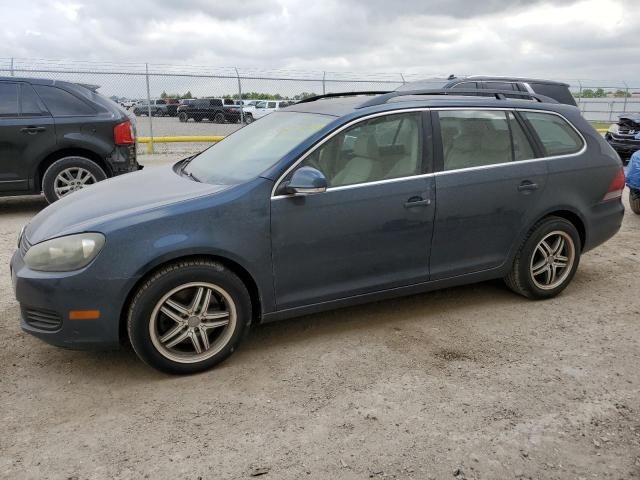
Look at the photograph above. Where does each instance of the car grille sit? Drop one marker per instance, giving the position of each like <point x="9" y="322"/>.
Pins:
<point x="42" y="319"/>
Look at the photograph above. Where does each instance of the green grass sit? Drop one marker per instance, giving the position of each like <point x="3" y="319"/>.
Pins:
<point x="600" y="124"/>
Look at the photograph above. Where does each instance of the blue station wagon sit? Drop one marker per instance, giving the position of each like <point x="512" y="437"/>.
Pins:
<point x="336" y="200"/>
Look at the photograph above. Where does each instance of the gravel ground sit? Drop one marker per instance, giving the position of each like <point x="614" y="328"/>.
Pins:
<point x="471" y="382"/>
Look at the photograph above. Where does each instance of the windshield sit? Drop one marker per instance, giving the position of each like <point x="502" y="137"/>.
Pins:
<point x="253" y="149"/>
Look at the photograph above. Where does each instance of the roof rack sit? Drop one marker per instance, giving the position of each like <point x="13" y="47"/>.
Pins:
<point x="498" y="94"/>
<point x="343" y="94"/>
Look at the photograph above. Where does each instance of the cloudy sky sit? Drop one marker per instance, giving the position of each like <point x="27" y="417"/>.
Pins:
<point x="592" y="39"/>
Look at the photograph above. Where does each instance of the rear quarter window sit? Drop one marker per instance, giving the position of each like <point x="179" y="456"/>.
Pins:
<point x="62" y="103"/>
<point x="555" y="134"/>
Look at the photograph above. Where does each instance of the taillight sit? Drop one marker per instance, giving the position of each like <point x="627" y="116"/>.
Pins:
<point x="616" y="187"/>
<point x="123" y="133"/>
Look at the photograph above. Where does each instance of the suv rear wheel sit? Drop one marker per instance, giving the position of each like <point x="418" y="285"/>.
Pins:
<point x="69" y="174"/>
<point x="634" y="201"/>
<point x="547" y="261"/>
<point x="218" y="118"/>
<point x="183" y="117"/>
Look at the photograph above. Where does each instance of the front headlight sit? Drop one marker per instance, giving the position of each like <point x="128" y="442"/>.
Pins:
<point x="64" y="254"/>
<point x="614" y="128"/>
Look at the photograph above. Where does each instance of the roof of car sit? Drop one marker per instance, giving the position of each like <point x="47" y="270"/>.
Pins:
<point x="340" y="106"/>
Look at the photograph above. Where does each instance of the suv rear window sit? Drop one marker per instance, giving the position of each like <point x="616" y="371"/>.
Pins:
<point x="62" y="103"/>
<point x="556" y="135"/>
<point x="560" y="93"/>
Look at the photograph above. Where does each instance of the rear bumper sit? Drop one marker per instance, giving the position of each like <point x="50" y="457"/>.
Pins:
<point x="124" y="160"/>
<point x="604" y="222"/>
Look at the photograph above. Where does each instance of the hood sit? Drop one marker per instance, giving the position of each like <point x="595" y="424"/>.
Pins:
<point x="118" y="197"/>
<point x="631" y="120"/>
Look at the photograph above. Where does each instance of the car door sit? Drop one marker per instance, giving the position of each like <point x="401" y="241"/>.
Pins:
<point x="489" y="184"/>
<point x="371" y="229"/>
<point x="27" y="135"/>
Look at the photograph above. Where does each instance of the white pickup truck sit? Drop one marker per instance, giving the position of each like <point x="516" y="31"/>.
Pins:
<point x="262" y="107"/>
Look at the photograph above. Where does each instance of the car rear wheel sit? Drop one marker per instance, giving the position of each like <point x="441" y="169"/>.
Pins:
<point x="183" y="117"/>
<point x="218" y="118"/>
<point x="69" y="174"/>
<point x="547" y="261"/>
<point x="634" y="201"/>
<point x="189" y="316"/>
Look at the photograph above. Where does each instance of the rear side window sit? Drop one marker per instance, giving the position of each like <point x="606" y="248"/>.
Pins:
<point x="466" y="86"/>
<point x="8" y="99"/>
<point x="501" y="86"/>
<point x="556" y="135"/>
<point x="62" y="103"/>
<point x="31" y="105"/>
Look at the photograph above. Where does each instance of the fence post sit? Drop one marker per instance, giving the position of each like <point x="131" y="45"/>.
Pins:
<point x="611" y="111"/>
<point x="12" y="66"/>
<point x="402" y="77"/>
<point x="150" y="144"/>
<point x="626" y="94"/>
<point x="324" y="90"/>
<point x="240" y="93"/>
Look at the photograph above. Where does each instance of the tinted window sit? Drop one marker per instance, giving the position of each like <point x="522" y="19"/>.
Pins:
<point x="556" y="135"/>
<point x="216" y="102"/>
<point x="161" y="102"/>
<point x="377" y="149"/>
<point x="31" y="104"/>
<point x="501" y="86"/>
<point x="8" y="99"/>
<point x="522" y="149"/>
<point x="271" y="105"/>
<point x="201" y="103"/>
<point x="60" y="102"/>
<point x="560" y="93"/>
<point x="466" y="85"/>
<point x="474" y="138"/>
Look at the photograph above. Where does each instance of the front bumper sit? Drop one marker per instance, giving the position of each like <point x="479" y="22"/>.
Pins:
<point x="45" y="301"/>
<point x="624" y="148"/>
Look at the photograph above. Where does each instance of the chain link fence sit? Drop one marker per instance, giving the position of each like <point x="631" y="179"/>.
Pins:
<point x="132" y="84"/>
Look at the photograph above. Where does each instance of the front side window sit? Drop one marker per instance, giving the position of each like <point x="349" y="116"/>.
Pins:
<point x="8" y="99"/>
<point x="378" y="149"/>
<point x="556" y="135"/>
<point x="476" y="138"/>
<point x="272" y="105"/>
<point x="253" y="149"/>
<point x="62" y="103"/>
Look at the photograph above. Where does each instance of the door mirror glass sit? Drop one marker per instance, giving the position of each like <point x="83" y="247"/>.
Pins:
<point x="306" y="180"/>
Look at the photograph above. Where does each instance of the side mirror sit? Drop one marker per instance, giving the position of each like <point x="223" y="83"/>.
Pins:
<point x="306" y="180"/>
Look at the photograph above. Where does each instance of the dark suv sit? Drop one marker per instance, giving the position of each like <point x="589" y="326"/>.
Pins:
<point x="624" y="135"/>
<point x="328" y="203"/>
<point x="58" y="137"/>
<point x="557" y="90"/>
<point x="214" y="109"/>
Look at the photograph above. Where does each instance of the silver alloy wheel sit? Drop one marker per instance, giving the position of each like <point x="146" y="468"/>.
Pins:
<point x="552" y="260"/>
<point x="72" y="179"/>
<point x="193" y="322"/>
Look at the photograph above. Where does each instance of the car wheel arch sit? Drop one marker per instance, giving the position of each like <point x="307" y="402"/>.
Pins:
<point x="68" y="152"/>
<point x="242" y="272"/>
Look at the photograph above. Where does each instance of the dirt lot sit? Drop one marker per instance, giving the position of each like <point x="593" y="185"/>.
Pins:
<point x="471" y="382"/>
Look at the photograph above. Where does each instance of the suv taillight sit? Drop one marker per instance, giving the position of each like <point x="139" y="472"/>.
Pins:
<point x="616" y="187"/>
<point x="123" y="133"/>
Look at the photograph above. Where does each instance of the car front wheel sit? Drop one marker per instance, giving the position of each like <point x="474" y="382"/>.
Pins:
<point x="547" y="261"/>
<point x="183" y="117"/>
<point x="189" y="316"/>
<point x="218" y="118"/>
<point x="69" y="174"/>
<point x="248" y="118"/>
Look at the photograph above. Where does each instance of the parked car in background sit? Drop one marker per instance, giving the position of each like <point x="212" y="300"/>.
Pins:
<point x="158" y="108"/>
<point x="172" y="106"/>
<point x="266" y="107"/>
<point x="128" y="104"/>
<point x="557" y="90"/>
<point x="624" y="135"/>
<point x="328" y="203"/>
<point x="58" y="137"/>
<point x="212" y="109"/>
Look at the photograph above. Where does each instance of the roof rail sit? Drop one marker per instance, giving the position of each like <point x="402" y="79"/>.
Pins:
<point x="343" y="94"/>
<point x="498" y="94"/>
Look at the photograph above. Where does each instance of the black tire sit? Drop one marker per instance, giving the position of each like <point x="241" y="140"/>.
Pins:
<point x="634" y="201"/>
<point x="149" y="298"/>
<point x="66" y="163"/>
<point x="137" y="113"/>
<point x="218" y="118"/>
<point x="248" y="118"/>
<point x="159" y="113"/>
<point x="521" y="279"/>
<point x="183" y="117"/>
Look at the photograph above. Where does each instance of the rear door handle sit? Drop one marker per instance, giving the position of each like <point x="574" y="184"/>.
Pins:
<point x="417" y="202"/>
<point x="32" y="130"/>
<point x="527" y="187"/>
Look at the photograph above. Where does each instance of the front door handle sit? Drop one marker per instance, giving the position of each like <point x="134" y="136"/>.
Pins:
<point x="32" y="130"/>
<point x="527" y="187"/>
<point x="417" y="202"/>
